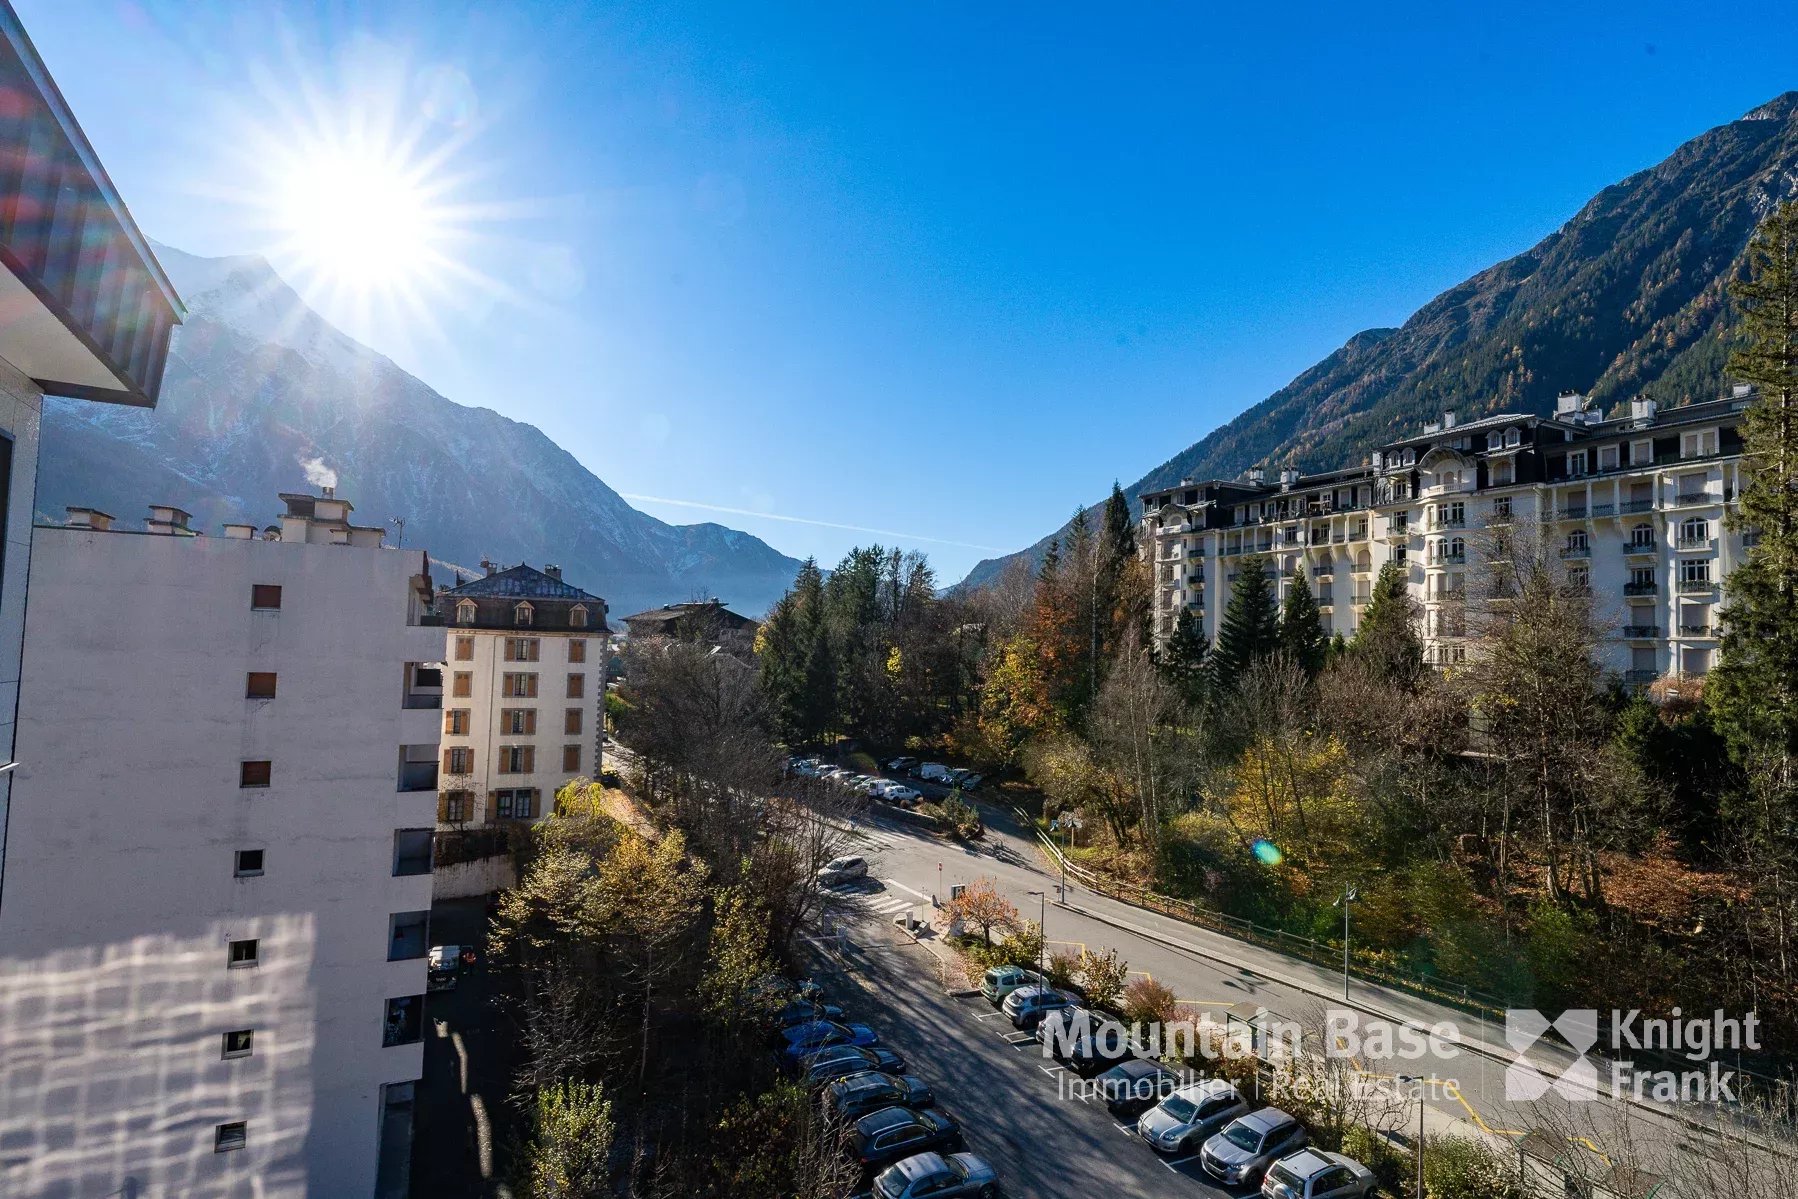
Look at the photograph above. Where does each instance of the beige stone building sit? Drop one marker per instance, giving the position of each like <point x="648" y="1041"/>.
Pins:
<point x="524" y="687"/>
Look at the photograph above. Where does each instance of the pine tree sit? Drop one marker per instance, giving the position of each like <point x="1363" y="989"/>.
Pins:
<point x="1388" y="639"/>
<point x="1754" y="690"/>
<point x="1302" y="629"/>
<point x="1184" y="660"/>
<point x="1250" y="630"/>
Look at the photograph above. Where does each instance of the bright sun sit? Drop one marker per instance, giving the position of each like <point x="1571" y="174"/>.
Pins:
<point x="363" y="220"/>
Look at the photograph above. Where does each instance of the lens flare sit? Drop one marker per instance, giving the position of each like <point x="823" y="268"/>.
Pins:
<point x="1267" y="853"/>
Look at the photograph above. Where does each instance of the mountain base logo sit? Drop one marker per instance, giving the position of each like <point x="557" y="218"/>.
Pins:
<point x="1541" y="1065"/>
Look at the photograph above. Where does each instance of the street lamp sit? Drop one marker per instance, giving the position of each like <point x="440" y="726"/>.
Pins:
<point x="1349" y="895"/>
<point x="1042" y="928"/>
<point x="1418" y="1079"/>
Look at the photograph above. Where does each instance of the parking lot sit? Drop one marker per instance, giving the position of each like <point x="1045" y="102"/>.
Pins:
<point x="1021" y="1112"/>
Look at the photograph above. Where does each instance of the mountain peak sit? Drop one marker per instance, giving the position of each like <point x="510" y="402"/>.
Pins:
<point x="1783" y="107"/>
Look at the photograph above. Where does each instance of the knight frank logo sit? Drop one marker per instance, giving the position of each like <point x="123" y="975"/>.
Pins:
<point x="1601" y="1065"/>
<point x="1525" y="1080"/>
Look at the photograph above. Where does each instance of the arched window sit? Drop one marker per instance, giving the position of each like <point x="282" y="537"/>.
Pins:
<point x="1457" y="549"/>
<point x="577" y="616"/>
<point x="1693" y="530"/>
<point x="1494" y="440"/>
<point x="1449" y="479"/>
<point x="1513" y="437"/>
<point x="523" y="612"/>
<point x="465" y="612"/>
<point x="1363" y="561"/>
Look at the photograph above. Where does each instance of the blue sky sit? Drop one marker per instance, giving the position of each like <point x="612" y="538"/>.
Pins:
<point x="941" y="270"/>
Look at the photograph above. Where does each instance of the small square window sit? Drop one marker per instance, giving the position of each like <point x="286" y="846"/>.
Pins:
<point x="244" y="953"/>
<point x="577" y="650"/>
<point x="577" y="686"/>
<point x="465" y="649"/>
<point x="227" y="1137"/>
<point x="408" y="934"/>
<point x="237" y="1043"/>
<point x="260" y="685"/>
<point x="412" y="851"/>
<point x="249" y="863"/>
<point x="404" y="1024"/>
<point x="265" y="596"/>
<point x="254" y="774"/>
<point x="571" y="759"/>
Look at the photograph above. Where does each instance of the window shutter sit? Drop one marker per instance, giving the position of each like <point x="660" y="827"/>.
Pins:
<point x="449" y="761"/>
<point x="530" y="721"/>
<point x="528" y="757"/>
<point x="492" y="806"/>
<point x="536" y="799"/>
<point x="442" y="808"/>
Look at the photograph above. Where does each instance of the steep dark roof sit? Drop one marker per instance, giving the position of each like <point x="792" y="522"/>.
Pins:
<point x="522" y="582"/>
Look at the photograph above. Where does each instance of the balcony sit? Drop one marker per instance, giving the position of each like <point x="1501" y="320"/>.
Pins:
<point x="1576" y="551"/>
<point x="1633" y="589"/>
<point x="1323" y="572"/>
<point x="1449" y="522"/>
<point x="418" y="767"/>
<point x="1628" y="507"/>
<point x="1697" y="543"/>
<point x="1640" y="632"/>
<point x="1689" y="586"/>
<point x="1687" y="499"/>
<point x="1697" y="630"/>
<point x="1640" y="547"/>
<point x="1397" y="528"/>
<point x="1640" y="677"/>
<point x="1578" y="513"/>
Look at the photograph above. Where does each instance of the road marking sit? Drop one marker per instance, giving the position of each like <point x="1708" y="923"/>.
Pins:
<point x="1179" y="1161"/>
<point x="1018" y="1040"/>
<point x="1125" y="1129"/>
<point x="1051" y="1069"/>
<point x="893" y="882"/>
<point x="989" y="1016"/>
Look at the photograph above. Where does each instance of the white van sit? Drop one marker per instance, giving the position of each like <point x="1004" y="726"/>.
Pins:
<point x="934" y="772"/>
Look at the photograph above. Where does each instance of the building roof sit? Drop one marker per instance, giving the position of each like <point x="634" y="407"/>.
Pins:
<point x="668" y="613"/>
<point x="522" y="582"/>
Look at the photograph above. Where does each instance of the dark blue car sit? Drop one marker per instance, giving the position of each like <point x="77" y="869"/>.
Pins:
<point x="804" y="1039"/>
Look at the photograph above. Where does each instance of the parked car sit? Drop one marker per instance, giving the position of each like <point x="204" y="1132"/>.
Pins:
<point x="1315" y="1174"/>
<point x="443" y="967"/>
<point x="1133" y="1087"/>
<point x="937" y="1176"/>
<point x="971" y="781"/>
<point x="893" y="1133"/>
<point x="804" y="1039"/>
<point x="840" y="1061"/>
<point x="803" y="1011"/>
<point x="1248" y="1145"/>
<point x="899" y="793"/>
<point x="1191" y="1114"/>
<point x="1000" y="981"/>
<point x="932" y="772"/>
<point x="1026" y="1006"/>
<point x="902" y="763"/>
<point x="855" y="1095"/>
<point x="842" y="870"/>
<point x="1090" y="1043"/>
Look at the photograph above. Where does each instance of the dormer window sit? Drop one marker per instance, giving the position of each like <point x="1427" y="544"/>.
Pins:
<point x="465" y="612"/>
<point x="522" y="613"/>
<point x="577" y="617"/>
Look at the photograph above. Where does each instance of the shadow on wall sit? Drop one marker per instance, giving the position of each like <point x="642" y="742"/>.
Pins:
<point x="114" y="1078"/>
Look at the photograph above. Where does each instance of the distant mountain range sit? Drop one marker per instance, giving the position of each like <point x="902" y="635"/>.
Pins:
<point x="1629" y="297"/>
<point x="262" y="393"/>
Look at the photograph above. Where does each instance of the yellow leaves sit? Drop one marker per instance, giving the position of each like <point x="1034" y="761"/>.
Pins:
<point x="1296" y="793"/>
<point x="895" y="663"/>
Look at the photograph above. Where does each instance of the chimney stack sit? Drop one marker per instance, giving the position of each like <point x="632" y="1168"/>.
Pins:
<point x="89" y="518"/>
<point x="1256" y="475"/>
<point x="553" y="571"/>
<point x="1448" y="419"/>
<point x="488" y="566"/>
<point x="327" y="492"/>
<point x="238" y="532"/>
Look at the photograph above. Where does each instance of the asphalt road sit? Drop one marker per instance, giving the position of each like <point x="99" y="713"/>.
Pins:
<point x="1018" y="1110"/>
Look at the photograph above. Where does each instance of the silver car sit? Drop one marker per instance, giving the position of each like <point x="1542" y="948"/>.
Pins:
<point x="1182" y="1121"/>
<point x="1315" y="1174"/>
<point x="938" y="1177"/>
<point x="1248" y="1145"/>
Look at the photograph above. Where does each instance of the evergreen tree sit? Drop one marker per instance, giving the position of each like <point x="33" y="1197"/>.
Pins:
<point x="1302" y="629"/>
<point x="1123" y="590"/>
<point x="1184" y="660"/>
<point x="1250" y="629"/>
<point x="1388" y="639"/>
<point x="1754" y="690"/>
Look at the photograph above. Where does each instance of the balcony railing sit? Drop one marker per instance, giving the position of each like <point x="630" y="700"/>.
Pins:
<point x="1630" y="506"/>
<point x="1397" y="528"/>
<point x="1641" y="676"/>
<point x="1323" y="572"/>
<point x="1449" y="522"/>
<point x="1640" y="632"/>
<point x="1576" y="551"/>
<point x="1640" y="547"/>
<point x="1573" y="513"/>
<point x="1696" y="543"/>
<point x="418" y="776"/>
<point x="1450" y="557"/>
<point x="1690" y="585"/>
<point x="1324" y="599"/>
<point x="1641" y="589"/>
<point x="1697" y="630"/>
<point x="1687" y="498"/>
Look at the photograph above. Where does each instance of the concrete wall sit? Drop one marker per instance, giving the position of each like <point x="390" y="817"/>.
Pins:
<point x="121" y="896"/>
<point x="483" y="876"/>
<point x="21" y="410"/>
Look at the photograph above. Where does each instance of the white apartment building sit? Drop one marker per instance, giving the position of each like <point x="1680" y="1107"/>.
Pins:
<point x="1634" y="506"/>
<point x="212" y="947"/>
<point x="526" y="655"/>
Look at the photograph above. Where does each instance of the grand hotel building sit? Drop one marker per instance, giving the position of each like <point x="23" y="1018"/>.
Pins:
<point x="1633" y="505"/>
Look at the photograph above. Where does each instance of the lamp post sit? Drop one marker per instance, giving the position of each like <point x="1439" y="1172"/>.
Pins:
<point x="1418" y="1152"/>
<point x="1349" y="895"/>
<point x="1042" y="929"/>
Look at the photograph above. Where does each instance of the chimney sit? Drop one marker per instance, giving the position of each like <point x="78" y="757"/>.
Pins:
<point x="328" y="492"/>
<point x="89" y="518"/>
<point x="237" y="532"/>
<point x="1448" y="419"/>
<point x="553" y="571"/>
<point x="1256" y="475"/>
<point x="1569" y="404"/>
<point x="1641" y="410"/>
<point x="167" y="520"/>
<point x="1741" y="391"/>
<point x="1430" y="427"/>
<point x="1288" y="476"/>
<point x="488" y="566"/>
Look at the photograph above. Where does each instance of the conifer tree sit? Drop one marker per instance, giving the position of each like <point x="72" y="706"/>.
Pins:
<point x="1250" y="629"/>
<point x="1754" y="690"/>
<point x="1388" y="639"/>
<point x="1184" y="660"/>
<point x="1301" y="628"/>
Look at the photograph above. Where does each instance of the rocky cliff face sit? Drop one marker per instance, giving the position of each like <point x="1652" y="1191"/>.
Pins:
<point x="258" y="386"/>
<point x="1629" y="297"/>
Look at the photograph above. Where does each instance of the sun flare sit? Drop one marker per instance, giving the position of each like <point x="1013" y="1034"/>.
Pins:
<point x="359" y="218"/>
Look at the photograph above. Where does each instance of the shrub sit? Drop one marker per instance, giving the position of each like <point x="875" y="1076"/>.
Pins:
<point x="1024" y="947"/>
<point x="1458" y="1168"/>
<point x="1102" y="977"/>
<point x="570" y="1141"/>
<point x="1064" y="968"/>
<point x="1149" y="1002"/>
<point x="1391" y="1168"/>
